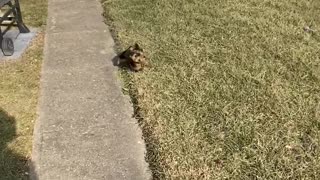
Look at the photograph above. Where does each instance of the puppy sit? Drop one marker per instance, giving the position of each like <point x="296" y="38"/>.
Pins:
<point x="135" y="57"/>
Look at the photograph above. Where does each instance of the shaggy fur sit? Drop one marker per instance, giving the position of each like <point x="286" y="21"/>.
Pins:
<point x="135" y="57"/>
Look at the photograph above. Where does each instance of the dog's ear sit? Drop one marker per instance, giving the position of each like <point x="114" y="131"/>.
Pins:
<point x="126" y="52"/>
<point x="122" y="55"/>
<point x="137" y="47"/>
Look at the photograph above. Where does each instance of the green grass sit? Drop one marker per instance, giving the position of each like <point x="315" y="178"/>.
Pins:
<point x="19" y="89"/>
<point x="233" y="91"/>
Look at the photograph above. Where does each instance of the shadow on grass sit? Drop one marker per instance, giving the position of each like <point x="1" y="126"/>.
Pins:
<point x="152" y="155"/>
<point x="152" y="143"/>
<point x="12" y="165"/>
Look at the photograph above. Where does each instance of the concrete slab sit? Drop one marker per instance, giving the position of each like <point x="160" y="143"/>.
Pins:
<point x="84" y="13"/>
<point x="85" y="129"/>
<point x="21" y="42"/>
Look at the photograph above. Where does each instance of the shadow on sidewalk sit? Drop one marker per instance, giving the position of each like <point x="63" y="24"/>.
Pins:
<point x="12" y="165"/>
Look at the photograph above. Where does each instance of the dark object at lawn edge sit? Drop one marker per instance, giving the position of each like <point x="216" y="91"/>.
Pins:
<point x="134" y="57"/>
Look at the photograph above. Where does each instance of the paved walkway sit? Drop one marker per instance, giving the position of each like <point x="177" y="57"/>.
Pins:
<point x="85" y="130"/>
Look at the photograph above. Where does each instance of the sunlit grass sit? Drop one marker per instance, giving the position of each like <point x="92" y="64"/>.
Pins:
<point x="234" y="88"/>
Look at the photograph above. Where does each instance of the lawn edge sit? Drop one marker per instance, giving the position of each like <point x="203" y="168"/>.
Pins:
<point x="127" y="82"/>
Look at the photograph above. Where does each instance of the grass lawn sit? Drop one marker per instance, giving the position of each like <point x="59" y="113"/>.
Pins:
<point x="19" y="88"/>
<point x="233" y="91"/>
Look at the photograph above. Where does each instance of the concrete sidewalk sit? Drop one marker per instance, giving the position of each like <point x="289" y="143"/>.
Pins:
<point x="85" y="130"/>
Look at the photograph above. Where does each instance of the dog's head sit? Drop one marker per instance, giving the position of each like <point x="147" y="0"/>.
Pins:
<point x="136" y="54"/>
<point x="135" y="57"/>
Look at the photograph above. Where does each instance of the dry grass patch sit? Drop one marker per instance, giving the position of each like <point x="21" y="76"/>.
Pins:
<point x="19" y="90"/>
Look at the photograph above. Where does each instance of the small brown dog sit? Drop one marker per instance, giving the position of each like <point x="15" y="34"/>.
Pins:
<point x="135" y="57"/>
